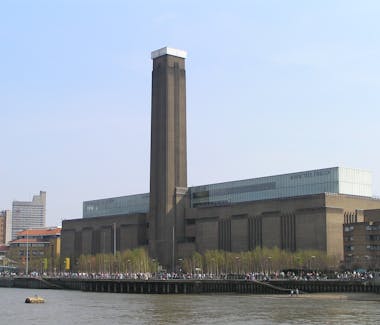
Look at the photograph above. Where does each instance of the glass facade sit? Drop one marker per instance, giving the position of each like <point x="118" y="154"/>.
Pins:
<point x="355" y="182"/>
<point x="329" y="180"/>
<point x="138" y="203"/>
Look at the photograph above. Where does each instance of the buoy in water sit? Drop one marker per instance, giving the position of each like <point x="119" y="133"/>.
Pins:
<point x="34" y="300"/>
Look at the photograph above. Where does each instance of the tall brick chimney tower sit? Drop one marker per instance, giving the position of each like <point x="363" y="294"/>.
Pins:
<point x="168" y="160"/>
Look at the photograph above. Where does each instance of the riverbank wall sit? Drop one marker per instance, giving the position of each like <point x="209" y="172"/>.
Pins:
<point x="191" y="286"/>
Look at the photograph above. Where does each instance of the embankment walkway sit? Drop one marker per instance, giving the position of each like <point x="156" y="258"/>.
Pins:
<point x="191" y="286"/>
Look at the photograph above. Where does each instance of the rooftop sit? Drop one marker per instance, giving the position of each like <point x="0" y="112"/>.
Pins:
<point x="27" y="241"/>
<point x="40" y="232"/>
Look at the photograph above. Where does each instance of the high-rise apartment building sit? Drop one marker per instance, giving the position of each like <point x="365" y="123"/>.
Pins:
<point x="26" y="214"/>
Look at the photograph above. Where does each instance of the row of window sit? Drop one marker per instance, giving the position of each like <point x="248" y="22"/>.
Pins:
<point x="34" y="253"/>
<point x="369" y="238"/>
<point x="372" y="227"/>
<point x="373" y="247"/>
<point x="30" y="244"/>
<point x="368" y="228"/>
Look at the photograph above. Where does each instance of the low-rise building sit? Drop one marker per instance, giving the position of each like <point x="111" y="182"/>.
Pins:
<point x="3" y="252"/>
<point x="40" y="247"/>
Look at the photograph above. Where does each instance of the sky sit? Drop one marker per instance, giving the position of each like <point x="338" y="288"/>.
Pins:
<point x="273" y="86"/>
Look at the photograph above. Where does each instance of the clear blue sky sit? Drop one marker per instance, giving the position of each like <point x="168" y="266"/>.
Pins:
<point x="272" y="87"/>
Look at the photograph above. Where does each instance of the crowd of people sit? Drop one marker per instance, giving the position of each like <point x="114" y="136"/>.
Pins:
<point x="253" y="276"/>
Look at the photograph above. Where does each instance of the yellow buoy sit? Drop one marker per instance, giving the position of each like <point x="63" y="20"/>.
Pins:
<point x="34" y="300"/>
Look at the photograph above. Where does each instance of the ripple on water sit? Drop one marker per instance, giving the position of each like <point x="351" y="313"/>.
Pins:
<point x="75" y="307"/>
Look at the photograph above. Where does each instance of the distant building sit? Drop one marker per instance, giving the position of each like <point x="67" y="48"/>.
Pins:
<point x="2" y="228"/>
<point x="42" y="247"/>
<point x="3" y="252"/>
<point x="362" y="240"/>
<point x="297" y="211"/>
<point x="26" y="214"/>
<point x="5" y="226"/>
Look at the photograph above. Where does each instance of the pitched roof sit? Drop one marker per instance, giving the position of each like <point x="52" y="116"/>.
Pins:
<point x="27" y="241"/>
<point x="4" y="248"/>
<point x="40" y="232"/>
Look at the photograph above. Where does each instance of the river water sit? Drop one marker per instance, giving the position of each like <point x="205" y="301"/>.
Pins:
<point x="76" y="307"/>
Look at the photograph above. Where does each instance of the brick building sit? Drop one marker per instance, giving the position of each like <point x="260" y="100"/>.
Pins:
<point x="41" y="247"/>
<point x="362" y="241"/>
<point x="303" y="210"/>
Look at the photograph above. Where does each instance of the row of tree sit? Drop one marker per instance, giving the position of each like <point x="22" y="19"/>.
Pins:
<point x="129" y="261"/>
<point x="38" y="260"/>
<point x="213" y="261"/>
<point x="259" y="260"/>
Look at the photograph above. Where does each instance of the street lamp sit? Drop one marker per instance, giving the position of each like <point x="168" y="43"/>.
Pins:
<point x="180" y="265"/>
<point x="27" y="253"/>
<point x="128" y="263"/>
<point x="238" y="264"/>
<point x="270" y="264"/>
<point x="349" y="261"/>
<point x="154" y="265"/>
<point x="312" y="264"/>
<point x="367" y="258"/>
<point x="298" y="266"/>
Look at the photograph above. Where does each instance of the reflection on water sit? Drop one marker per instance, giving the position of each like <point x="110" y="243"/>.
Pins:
<point x="75" y="307"/>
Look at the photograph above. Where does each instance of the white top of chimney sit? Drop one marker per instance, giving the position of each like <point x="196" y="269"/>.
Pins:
<point x="169" y="51"/>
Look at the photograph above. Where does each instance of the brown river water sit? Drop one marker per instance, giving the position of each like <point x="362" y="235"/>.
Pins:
<point x="76" y="307"/>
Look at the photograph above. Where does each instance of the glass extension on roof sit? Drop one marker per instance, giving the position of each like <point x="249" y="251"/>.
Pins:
<point x="328" y="180"/>
<point x="138" y="203"/>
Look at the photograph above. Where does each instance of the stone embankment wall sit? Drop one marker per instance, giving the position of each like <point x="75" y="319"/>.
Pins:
<point x="191" y="286"/>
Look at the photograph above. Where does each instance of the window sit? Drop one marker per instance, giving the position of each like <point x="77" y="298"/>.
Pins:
<point x="372" y="227"/>
<point x="373" y="247"/>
